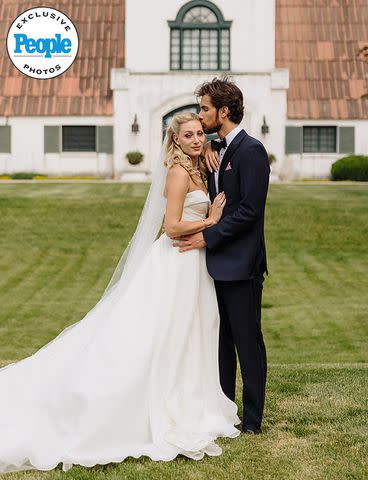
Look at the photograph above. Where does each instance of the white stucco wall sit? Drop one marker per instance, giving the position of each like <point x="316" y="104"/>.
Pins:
<point x="318" y="165"/>
<point x="152" y="96"/>
<point x="252" y="34"/>
<point x="27" y="148"/>
<point x="148" y="88"/>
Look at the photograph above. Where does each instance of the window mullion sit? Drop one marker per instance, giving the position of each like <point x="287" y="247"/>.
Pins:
<point x="181" y="49"/>
<point x="200" y="49"/>
<point x="218" y="48"/>
<point x="171" y="47"/>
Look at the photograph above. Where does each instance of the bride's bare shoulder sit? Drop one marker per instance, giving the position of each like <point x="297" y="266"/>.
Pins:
<point x="177" y="175"/>
<point x="177" y="179"/>
<point x="177" y="172"/>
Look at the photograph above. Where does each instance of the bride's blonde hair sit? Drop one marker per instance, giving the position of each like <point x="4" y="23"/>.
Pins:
<point x="175" y="155"/>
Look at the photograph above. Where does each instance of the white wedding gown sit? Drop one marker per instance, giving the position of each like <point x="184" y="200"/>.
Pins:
<point x="138" y="375"/>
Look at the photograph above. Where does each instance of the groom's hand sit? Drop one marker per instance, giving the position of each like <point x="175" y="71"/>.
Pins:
<point x="212" y="158"/>
<point x="189" y="242"/>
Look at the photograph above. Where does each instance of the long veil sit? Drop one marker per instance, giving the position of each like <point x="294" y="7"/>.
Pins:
<point x="148" y="227"/>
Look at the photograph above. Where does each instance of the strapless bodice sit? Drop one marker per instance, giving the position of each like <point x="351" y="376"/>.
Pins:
<point x="195" y="205"/>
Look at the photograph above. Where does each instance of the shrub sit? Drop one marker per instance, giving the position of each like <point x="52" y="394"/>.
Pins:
<point x="69" y="177"/>
<point x="134" y="157"/>
<point x="41" y="176"/>
<point x="352" y="167"/>
<point x="23" y="175"/>
<point x="271" y="158"/>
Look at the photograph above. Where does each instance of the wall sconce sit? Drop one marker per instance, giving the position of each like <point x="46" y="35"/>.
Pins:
<point x="135" y="125"/>
<point x="265" y="128"/>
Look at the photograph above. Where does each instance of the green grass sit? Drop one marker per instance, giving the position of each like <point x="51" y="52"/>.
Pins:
<point x="59" y="244"/>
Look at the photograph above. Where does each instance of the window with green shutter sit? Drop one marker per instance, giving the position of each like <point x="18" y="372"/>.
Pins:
<point x="105" y="139"/>
<point x="293" y="139"/>
<point x="5" y="139"/>
<point x="319" y="139"/>
<point x="79" y="138"/>
<point x="347" y="140"/>
<point x="199" y="38"/>
<point x="51" y="139"/>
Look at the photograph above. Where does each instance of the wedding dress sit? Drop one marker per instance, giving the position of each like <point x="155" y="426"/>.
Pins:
<point x="138" y="375"/>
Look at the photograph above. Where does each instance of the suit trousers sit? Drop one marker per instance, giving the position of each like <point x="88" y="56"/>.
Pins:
<point x="240" y="331"/>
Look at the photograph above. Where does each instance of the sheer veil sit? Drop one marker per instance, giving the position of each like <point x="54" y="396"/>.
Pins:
<point x="148" y="227"/>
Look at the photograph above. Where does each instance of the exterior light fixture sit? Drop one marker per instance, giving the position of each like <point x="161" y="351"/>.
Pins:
<point x="265" y="128"/>
<point x="135" y="125"/>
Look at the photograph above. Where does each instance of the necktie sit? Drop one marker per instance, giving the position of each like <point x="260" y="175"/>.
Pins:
<point x="218" y="145"/>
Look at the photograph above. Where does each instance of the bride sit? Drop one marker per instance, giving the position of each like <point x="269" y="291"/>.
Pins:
<point x="138" y="375"/>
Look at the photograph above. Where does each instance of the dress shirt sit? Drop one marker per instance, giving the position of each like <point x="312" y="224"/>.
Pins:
<point x="229" y="138"/>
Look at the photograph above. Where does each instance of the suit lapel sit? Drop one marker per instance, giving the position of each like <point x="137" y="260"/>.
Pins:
<point x="211" y="186"/>
<point x="228" y="154"/>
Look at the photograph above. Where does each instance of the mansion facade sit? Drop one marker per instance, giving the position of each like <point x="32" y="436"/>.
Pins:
<point x="302" y="70"/>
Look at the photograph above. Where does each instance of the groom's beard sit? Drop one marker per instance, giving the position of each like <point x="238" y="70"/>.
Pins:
<point x="214" y="129"/>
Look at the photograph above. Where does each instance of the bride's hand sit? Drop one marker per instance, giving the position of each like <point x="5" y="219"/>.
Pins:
<point x="217" y="207"/>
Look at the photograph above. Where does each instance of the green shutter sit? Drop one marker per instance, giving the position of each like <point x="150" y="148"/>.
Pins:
<point x="346" y="139"/>
<point x="51" y="139"/>
<point x="105" y="141"/>
<point x="293" y="140"/>
<point x="5" y="139"/>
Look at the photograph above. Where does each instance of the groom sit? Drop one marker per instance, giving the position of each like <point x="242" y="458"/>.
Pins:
<point x="235" y="247"/>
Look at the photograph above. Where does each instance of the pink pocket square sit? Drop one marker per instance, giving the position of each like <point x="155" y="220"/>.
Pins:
<point x="228" y="167"/>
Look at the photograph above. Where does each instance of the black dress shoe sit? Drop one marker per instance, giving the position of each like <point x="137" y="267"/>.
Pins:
<point x="252" y="431"/>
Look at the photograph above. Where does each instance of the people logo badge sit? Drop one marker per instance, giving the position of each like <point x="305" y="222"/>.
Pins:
<point x="42" y="42"/>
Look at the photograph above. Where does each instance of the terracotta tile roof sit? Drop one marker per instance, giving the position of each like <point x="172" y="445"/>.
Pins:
<point x="84" y="88"/>
<point x="324" y="43"/>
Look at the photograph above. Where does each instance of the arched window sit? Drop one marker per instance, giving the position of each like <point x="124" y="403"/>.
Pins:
<point x="200" y="38"/>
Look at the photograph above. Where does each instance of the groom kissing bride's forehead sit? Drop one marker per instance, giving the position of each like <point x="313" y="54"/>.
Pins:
<point x="219" y="99"/>
<point x="235" y="247"/>
<point x="74" y="401"/>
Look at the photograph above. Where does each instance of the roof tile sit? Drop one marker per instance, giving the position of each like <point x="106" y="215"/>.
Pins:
<point x="324" y="43"/>
<point x="100" y="25"/>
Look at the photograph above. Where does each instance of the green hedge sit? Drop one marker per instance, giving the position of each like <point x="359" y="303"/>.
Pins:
<point x="24" y="175"/>
<point x="40" y="176"/>
<point x="353" y="167"/>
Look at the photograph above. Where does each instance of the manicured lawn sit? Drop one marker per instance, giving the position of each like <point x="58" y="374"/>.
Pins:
<point x="59" y="244"/>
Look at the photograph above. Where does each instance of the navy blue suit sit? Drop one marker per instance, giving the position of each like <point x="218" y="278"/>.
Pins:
<point x="236" y="259"/>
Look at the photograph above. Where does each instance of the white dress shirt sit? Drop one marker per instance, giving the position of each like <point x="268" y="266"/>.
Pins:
<point x="229" y="138"/>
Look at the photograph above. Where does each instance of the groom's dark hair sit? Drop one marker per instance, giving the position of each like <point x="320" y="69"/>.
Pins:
<point x="224" y="93"/>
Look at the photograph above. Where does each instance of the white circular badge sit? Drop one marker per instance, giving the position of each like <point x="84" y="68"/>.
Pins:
<point x="42" y="42"/>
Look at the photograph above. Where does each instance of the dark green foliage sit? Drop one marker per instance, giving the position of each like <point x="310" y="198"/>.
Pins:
<point x="134" y="157"/>
<point x="25" y="175"/>
<point x="352" y="167"/>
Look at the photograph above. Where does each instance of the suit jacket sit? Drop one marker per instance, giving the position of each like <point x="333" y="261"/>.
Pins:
<point x="236" y="247"/>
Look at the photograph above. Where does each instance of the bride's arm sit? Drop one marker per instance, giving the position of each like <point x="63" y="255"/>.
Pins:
<point x="177" y="186"/>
